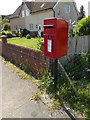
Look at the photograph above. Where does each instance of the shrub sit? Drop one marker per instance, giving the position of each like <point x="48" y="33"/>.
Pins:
<point x="5" y="20"/>
<point x="76" y="68"/>
<point x="83" y="27"/>
<point x="25" y="32"/>
<point x="17" y="34"/>
<point x="42" y="34"/>
<point x="13" y="35"/>
<point x="3" y="33"/>
<point x="33" y="35"/>
<point x="6" y="26"/>
<point x="36" y="33"/>
<point x="9" y="35"/>
<point x="28" y="36"/>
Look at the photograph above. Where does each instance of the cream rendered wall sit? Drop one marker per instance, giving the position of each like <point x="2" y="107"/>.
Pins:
<point x="18" y="21"/>
<point x="37" y="19"/>
<point x="67" y="16"/>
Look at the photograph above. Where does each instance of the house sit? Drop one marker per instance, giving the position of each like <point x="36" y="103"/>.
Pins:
<point x="31" y="15"/>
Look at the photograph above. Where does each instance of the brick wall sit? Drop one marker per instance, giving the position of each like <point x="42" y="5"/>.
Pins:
<point x="32" y="60"/>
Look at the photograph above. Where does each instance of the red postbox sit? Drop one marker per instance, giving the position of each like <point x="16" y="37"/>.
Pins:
<point x="55" y="38"/>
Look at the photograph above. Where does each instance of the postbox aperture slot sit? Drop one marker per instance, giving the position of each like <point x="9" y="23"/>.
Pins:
<point x="48" y="26"/>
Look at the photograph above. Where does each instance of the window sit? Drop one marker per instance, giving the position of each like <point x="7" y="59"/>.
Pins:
<point x="39" y="27"/>
<point x="67" y="8"/>
<point x="23" y="13"/>
<point x="27" y="12"/>
<point x="31" y="26"/>
<point x="15" y="27"/>
<point x="58" y="11"/>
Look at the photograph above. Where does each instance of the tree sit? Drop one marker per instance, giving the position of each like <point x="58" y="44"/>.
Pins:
<point x="83" y="27"/>
<point x="6" y="26"/>
<point x="81" y="13"/>
<point x="5" y="20"/>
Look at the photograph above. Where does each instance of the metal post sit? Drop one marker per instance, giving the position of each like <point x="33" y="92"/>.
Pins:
<point x="55" y="75"/>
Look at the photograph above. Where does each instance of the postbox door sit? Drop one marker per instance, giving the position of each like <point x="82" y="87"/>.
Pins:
<point x="49" y="46"/>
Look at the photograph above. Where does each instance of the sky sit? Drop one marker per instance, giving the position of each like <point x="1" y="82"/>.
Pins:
<point x="9" y="6"/>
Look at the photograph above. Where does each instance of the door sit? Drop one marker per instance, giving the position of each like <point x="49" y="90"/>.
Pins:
<point x="39" y="30"/>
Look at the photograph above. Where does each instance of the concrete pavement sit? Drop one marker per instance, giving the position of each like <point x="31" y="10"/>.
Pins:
<point x="16" y="94"/>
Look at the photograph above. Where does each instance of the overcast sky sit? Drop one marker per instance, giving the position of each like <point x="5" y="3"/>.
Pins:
<point x="9" y="6"/>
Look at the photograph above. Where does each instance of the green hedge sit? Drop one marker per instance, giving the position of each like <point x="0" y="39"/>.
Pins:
<point x="83" y="27"/>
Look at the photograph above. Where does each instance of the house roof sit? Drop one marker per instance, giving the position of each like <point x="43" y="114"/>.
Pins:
<point x="16" y="13"/>
<point x="40" y="6"/>
<point x="34" y="7"/>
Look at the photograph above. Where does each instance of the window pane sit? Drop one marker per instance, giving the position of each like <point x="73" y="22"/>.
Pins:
<point x="58" y="11"/>
<point x="67" y="8"/>
<point x="27" y="12"/>
<point x="31" y="26"/>
<point x="22" y="13"/>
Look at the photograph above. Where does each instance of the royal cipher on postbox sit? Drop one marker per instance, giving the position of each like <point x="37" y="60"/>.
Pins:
<point x="55" y="38"/>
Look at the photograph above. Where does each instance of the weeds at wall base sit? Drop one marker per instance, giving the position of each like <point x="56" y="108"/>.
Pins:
<point x="79" y="99"/>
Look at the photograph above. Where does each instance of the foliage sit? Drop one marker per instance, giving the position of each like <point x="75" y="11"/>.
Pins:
<point x="77" y="98"/>
<point x="25" y="32"/>
<point x="69" y="35"/>
<point x="13" y="35"/>
<point x="39" y="43"/>
<point x="5" y="20"/>
<point x="17" y="34"/>
<point x="42" y="34"/>
<point x="76" y="68"/>
<point x="83" y="27"/>
<point x="3" y="33"/>
<point x="9" y="34"/>
<point x="6" y="26"/>
<point x="37" y="96"/>
<point x="81" y="13"/>
<point x="33" y="34"/>
<point x="47" y="82"/>
<point x="28" y="36"/>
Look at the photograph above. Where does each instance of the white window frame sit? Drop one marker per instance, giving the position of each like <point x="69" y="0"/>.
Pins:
<point x="67" y="8"/>
<point x="22" y="13"/>
<point x="27" y="12"/>
<point x="58" y="11"/>
<point x="31" y="27"/>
